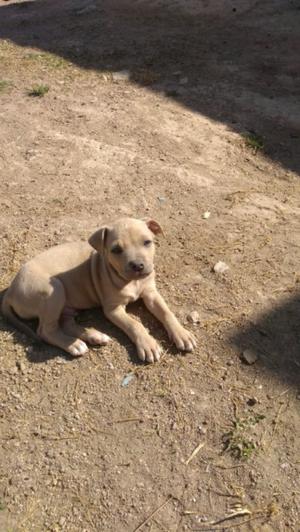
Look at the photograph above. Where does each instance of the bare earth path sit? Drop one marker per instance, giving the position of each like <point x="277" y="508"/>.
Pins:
<point x="166" y="138"/>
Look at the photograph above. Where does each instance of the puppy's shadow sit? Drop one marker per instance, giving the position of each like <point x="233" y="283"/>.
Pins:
<point x="156" y="329"/>
<point x="41" y="352"/>
<point x="95" y="318"/>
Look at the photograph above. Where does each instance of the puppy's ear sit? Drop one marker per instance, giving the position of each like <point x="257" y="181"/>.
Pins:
<point x="98" y="239"/>
<point x="154" y="227"/>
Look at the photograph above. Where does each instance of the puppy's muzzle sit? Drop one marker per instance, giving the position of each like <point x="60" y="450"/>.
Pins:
<point x="136" y="266"/>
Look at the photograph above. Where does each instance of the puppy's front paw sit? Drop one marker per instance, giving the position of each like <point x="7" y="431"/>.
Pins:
<point x="148" y="349"/>
<point x="182" y="338"/>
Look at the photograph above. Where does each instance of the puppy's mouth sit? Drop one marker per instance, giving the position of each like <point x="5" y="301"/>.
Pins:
<point x="137" y="275"/>
<point x="130" y="275"/>
<point x="140" y="275"/>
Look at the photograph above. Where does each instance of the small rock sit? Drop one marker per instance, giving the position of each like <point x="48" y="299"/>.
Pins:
<point x="285" y="466"/>
<point x="86" y="9"/>
<point x="193" y="317"/>
<point x="21" y="366"/>
<point x="206" y="215"/>
<point x="161" y="199"/>
<point x="220" y="267"/>
<point x="252" y="401"/>
<point x="121" y="75"/>
<point x="249" y="356"/>
<point x="127" y="379"/>
<point x="184" y="81"/>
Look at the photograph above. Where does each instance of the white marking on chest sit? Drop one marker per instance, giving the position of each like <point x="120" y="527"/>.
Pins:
<point x="131" y="292"/>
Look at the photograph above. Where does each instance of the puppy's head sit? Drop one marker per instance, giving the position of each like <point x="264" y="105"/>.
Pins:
<point x="128" y="245"/>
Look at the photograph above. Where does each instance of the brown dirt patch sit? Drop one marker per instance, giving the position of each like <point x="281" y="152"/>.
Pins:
<point x="79" y="452"/>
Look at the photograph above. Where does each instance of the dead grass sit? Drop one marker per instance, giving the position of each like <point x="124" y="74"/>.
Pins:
<point x="38" y="91"/>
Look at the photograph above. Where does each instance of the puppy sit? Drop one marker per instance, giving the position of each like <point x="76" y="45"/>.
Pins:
<point x="112" y="269"/>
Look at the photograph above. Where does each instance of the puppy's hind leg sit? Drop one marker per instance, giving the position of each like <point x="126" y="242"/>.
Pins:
<point x="88" y="334"/>
<point x="50" y="309"/>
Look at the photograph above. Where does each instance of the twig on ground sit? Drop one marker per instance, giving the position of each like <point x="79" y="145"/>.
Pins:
<point x="195" y="452"/>
<point x="126" y="420"/>
<point x="219" y="466"/>
<point x="227" y="527"/>
<point x="152" y="515"/>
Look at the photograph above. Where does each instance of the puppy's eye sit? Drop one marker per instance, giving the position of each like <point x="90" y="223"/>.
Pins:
<point x="147" y="243"/>
<point x="117" y="249"/>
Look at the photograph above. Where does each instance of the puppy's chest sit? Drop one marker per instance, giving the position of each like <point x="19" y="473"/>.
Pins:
<point x="130" y="293"/>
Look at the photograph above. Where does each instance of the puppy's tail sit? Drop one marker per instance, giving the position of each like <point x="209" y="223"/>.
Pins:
<point x="10" y="315"/>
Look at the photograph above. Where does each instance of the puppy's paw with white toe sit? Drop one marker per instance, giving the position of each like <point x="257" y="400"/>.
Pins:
<point x="78" y="348"/>
<point x="95" y="337"/>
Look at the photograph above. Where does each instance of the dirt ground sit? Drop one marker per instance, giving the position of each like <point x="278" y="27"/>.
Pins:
<point x="167" y="109"/>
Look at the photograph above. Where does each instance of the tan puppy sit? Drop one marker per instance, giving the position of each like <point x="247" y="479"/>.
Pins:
<point x="113" y="269"/>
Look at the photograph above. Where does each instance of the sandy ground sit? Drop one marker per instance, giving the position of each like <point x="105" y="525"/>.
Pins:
<point x="204" y="116"/>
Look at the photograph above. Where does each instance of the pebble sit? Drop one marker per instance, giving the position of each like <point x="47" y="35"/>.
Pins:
<point x="252" y="476"/>
<point x="86" y="9"/>
<point x="206" y="215"/>
<point x="193" y="317"/>
<point x="127" y="379"/>
<point x="285" y="466"/>
<point x="252" y="401"/>
<point x="221" y="267"/>
<point x="184" y="81"/>
<point x="121" y="75"/>
<point x="249" y="356"/>
<point x="60" y="361"/>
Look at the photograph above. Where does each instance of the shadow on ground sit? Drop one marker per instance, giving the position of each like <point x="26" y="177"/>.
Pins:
<point x="275" y="338"/>
<point x="239" y="64"/>
<point x="40" y="352"/>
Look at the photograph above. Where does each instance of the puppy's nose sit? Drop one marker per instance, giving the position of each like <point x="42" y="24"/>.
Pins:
<point x="136" y="266"/>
